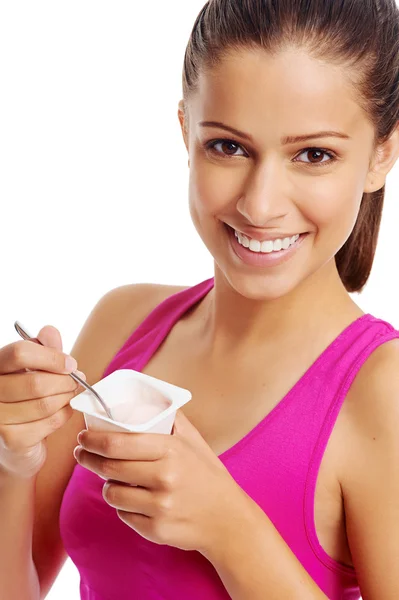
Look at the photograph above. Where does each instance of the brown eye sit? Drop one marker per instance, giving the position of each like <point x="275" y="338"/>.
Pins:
<point x="315" y="156"/>
<point x="228" y="148"/>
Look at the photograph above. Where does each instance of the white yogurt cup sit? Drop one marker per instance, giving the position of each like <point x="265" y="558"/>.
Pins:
<point x="141" y="402"/>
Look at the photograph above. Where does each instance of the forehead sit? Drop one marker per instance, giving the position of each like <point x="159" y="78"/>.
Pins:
<point x="264" y="94"/>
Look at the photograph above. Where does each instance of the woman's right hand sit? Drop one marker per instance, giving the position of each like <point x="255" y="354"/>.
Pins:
<point x="33" y="403"/>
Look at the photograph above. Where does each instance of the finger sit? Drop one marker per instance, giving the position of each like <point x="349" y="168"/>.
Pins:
<point x="29" y="355"/>
<point x="181" y="424"/>
<point x="144" y="474"/>
<point x="19" y="437"/>
<point x="35" y="384"/>
<point x="127" y="446"/>
<point x="130" y="499"/>
<point x="142" y="524"/>
<point x="14" y="413"/>
<point x="51" y="337"/>
<point x="184" y="429"/>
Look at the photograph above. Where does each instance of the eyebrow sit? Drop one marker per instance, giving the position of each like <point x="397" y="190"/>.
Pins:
<point x="289" y="139"/>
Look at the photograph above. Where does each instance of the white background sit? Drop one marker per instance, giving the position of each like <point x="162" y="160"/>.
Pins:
<point x="94" y="173"/>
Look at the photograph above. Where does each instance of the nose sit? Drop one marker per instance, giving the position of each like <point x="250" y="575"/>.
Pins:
<point x="265" y="196"/>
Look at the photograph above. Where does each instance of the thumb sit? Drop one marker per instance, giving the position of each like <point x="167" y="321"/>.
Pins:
<point x="51" y="337"/>
<point x="185" y="429"/>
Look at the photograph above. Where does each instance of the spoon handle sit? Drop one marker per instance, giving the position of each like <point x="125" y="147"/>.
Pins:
<point x="24" y="334"/>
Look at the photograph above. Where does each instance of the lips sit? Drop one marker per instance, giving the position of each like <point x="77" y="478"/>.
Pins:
<point x="263" y="237"/>
<point x="260" y="259"/>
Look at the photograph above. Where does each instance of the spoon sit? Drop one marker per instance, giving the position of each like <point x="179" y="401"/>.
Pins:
<point x="23" y="333"/>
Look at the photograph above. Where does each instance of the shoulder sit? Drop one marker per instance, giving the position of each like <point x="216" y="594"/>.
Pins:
<point x="373" y="402"/>
<point x="113" y="318"/>
<point x="128" y="305"/>
<point x="135" y="301"/>
<point x="370" y="476"/>
<point x="137" y="296"/>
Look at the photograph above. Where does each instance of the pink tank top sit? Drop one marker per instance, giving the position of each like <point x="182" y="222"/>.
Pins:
<point x="276" y="464"/>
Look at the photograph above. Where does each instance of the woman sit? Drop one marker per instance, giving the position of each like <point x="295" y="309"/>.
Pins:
<point x="281" y="477"/>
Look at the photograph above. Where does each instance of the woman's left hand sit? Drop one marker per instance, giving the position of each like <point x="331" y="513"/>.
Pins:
<point x="184" y="493"/>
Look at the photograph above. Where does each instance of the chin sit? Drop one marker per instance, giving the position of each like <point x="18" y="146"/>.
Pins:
<point x="257" y="287"/>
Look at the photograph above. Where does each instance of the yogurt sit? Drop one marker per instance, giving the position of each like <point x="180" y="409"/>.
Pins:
<point x="144" y="403"/>
<point x="138" y="403"/>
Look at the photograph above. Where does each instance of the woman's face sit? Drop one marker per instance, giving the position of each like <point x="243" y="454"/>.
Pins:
<point x="268" y="186"/>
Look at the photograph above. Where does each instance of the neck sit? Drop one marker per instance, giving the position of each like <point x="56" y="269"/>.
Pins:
<point x="234" y="323"/>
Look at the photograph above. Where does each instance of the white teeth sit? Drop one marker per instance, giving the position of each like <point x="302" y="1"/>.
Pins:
<point x="254" y="245"/>
<point x="265" y="247"/>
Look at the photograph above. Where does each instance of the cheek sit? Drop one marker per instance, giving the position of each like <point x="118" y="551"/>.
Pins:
<point x="210" y="196"/>
<point x="334" y="211"/>
<point x="213" y="188"/>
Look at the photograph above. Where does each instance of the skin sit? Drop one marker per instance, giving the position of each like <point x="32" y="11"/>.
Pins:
<point x="277" y="189"/>
<point x="252" y="311"/>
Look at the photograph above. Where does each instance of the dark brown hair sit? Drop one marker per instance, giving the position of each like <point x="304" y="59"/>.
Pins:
<point x="360" y="35"/>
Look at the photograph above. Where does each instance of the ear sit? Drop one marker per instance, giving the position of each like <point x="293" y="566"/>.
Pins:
<point x="183" y="124"/>
<point x="385" y="157"/>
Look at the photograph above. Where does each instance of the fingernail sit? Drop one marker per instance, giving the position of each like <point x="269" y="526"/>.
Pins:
<point x="81" y="375"/>
<point x="70" y="364"/>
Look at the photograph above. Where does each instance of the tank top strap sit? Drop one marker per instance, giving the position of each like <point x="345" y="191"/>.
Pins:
<point x="339" y="366"/>
<point x="146" y="338"/>
<point x="337" y="375"/>
<point x="312" y="406"/>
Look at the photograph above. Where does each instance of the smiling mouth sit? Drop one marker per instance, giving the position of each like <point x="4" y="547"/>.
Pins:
<point x="262" y="257"/>
<point x="243" y="236"/>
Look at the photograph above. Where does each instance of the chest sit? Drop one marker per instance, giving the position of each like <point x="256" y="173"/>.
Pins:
<point x="230" y="398"/>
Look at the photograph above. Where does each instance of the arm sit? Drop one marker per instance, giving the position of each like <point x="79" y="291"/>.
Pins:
<point x="104" y="332"/>
<point x="31" y="548"/>
<point x="370" y="480"/>
<point x="255" y="563"/>
<point x="18" y="575"/>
